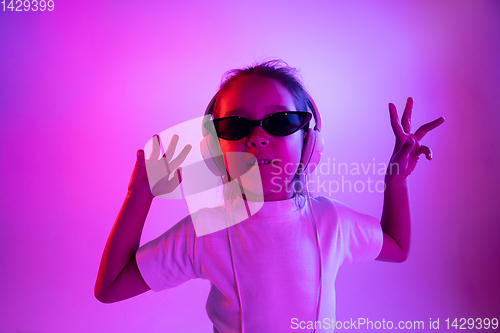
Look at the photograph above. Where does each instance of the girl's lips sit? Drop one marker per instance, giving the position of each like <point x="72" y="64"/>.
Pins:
<point x="263" y="161"/>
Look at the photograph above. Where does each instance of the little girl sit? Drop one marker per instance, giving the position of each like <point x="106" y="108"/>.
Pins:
<point x="274" y="271"/>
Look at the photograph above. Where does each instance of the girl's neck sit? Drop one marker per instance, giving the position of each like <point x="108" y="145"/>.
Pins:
<point x="249" y="196"/>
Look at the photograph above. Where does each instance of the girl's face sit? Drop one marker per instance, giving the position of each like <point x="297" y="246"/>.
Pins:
<point x="254" y="97"/>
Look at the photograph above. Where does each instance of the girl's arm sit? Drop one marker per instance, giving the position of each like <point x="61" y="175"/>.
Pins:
<point x="396" y="213"/>
<point x="119" y="277"/>
<point x="395" y="221"/>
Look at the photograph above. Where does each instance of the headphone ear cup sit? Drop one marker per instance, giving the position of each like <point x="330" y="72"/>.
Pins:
<point x="311" y="152"/>
<point x="212" y="155"/>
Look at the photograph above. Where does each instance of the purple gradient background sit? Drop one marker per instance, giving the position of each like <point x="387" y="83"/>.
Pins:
<point x="85" y="86"/>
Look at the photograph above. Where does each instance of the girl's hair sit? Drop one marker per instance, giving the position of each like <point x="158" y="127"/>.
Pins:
<point x="288" y="76"/>
<point x="274" y="69"/>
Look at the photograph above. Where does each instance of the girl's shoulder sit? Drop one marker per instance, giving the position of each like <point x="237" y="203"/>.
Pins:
<point x="207" y="221"/>
<point x="325" y="203"/>
<point x="334" y="209"/>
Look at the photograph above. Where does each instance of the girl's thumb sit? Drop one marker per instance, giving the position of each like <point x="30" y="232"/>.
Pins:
<point x="408" y="145"/>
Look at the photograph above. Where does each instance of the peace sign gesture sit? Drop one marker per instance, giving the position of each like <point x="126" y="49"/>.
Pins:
<point x="408" y="148"/>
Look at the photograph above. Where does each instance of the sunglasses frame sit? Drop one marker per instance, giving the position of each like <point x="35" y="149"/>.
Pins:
<point x="260" y="122"/>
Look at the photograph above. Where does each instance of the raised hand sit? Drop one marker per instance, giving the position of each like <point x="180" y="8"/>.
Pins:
<point x="151" y="175"/>
<point x="408" y="148"/>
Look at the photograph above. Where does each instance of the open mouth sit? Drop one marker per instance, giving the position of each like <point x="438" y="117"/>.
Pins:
<point x="261" y="161"/>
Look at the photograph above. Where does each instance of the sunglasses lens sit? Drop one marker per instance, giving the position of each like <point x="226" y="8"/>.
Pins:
<point x="278" y="124"/>
<point x="285" y="123"/>
<point x="232" y="128"/>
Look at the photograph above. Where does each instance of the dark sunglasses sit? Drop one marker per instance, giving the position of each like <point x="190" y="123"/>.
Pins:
<point x="277" y="124"/>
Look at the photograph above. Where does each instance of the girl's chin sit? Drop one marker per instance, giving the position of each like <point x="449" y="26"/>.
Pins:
<point x="265" y="186"/>
<point x="267" y="194"/>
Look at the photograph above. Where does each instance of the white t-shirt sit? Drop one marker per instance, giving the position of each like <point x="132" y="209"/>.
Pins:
<point x="275" y="261"/>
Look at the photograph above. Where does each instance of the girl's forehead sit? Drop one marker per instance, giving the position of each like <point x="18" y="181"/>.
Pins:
<point x="254" y="96"/>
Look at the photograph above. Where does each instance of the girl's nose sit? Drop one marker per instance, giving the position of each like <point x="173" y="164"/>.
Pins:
<point x="257" y="137"/>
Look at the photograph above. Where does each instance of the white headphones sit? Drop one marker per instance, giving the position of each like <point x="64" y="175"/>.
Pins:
<point x="311" y="151"/>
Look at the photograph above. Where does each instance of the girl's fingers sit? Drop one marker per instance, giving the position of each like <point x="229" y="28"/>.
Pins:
<point x="164" y="185"/>
<point x="185" y="151"/>
<point x="396" y="126"/>
<point x="425" y="150"/>
<point x="401" y="158"/>
<point x="407" y="146"/>
<point x="155" y="153"/>
<point x="406" y="118"/>
<point x="424" y="129"/>
<point x="179" y="172"/>
<point x="175" y="181"/>
<point x="179" y="159"/>
<point x="171" y="147"/>
<point x="140" y="155"/>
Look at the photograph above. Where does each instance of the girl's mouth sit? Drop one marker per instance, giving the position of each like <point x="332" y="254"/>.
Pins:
<point x="263" y="162"/>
